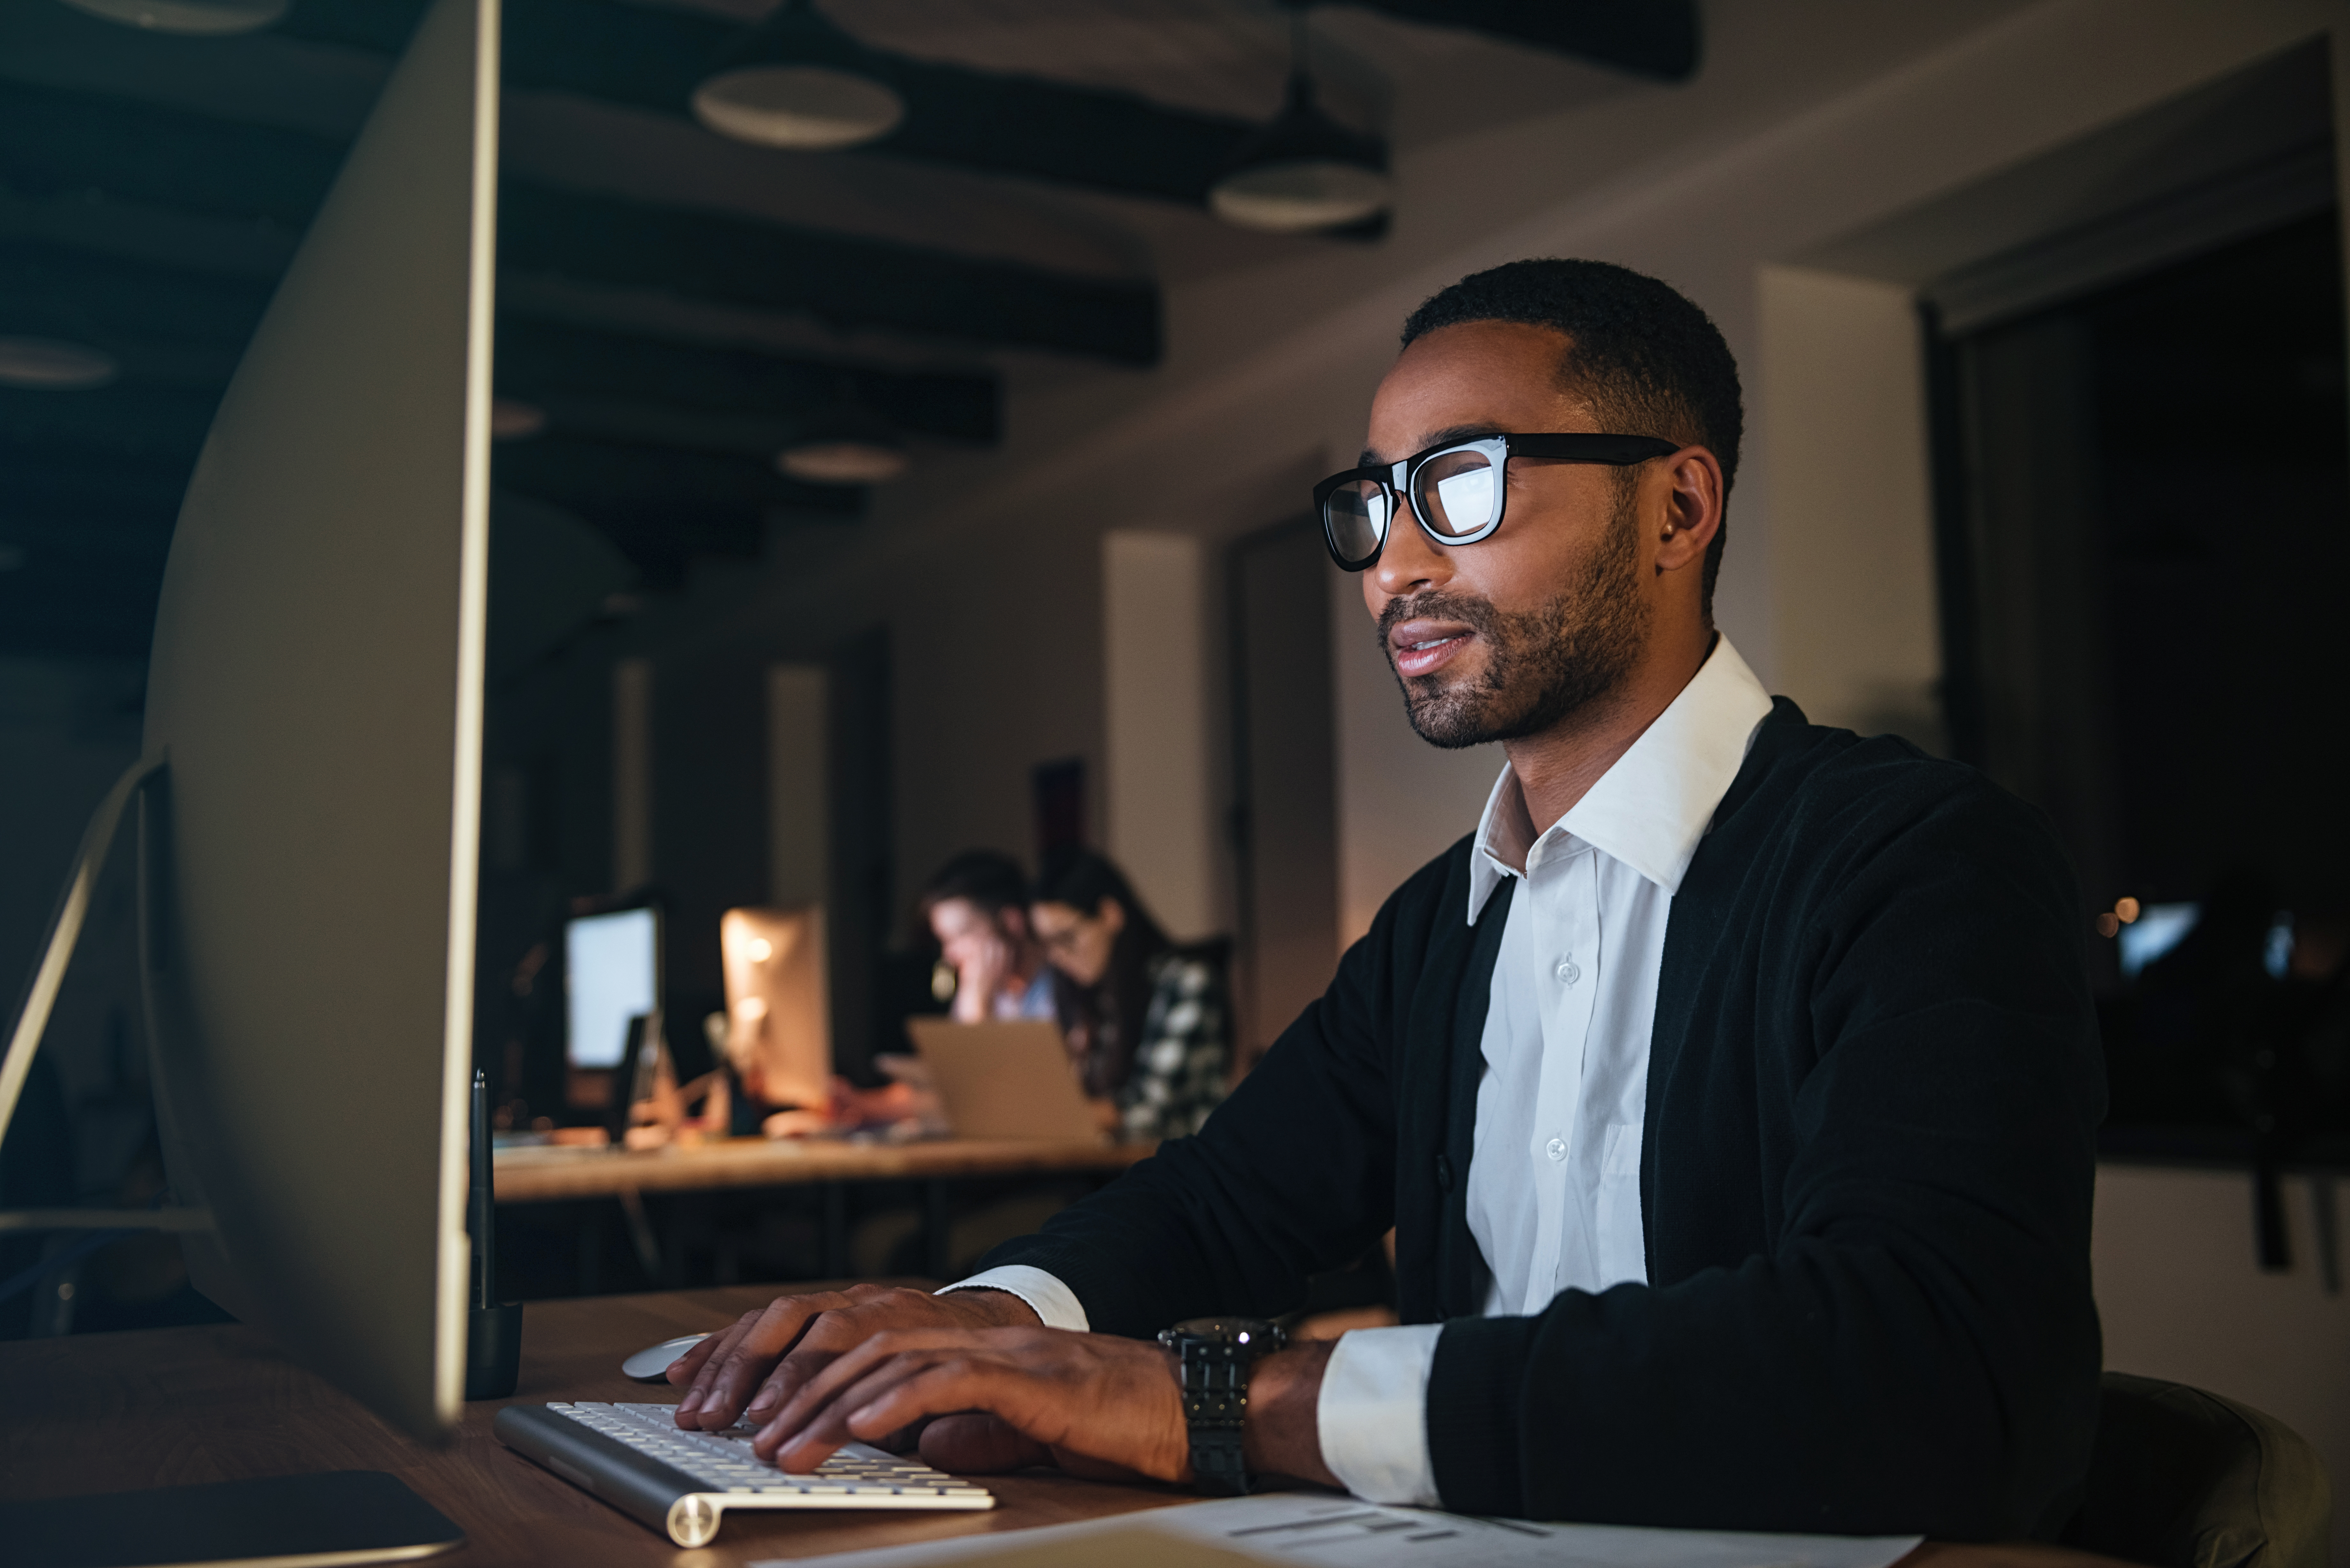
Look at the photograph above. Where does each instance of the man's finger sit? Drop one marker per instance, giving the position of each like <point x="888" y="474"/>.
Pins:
<point x="808" y="1403"/>
<point x="901" y="1390"/>
<point x="682" y="1369"/>
<point x="709" y="1350"/>
<point x="839" y="1331"/>
<point x="727" y="1378"/>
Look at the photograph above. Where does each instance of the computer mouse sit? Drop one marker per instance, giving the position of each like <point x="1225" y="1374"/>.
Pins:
<point x="649" y="1364"/>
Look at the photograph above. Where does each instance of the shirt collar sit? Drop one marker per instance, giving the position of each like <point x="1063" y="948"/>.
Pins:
<point x="1652" y="808"/>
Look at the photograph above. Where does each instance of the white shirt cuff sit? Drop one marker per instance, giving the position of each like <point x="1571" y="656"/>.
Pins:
<point x="1372" y="1414"/>
<point x="1048" y="1297"/>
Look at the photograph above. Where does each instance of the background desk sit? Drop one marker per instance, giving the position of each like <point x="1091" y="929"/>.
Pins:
<point x="553" y="1175"/>
<point x="172" y="1407"/>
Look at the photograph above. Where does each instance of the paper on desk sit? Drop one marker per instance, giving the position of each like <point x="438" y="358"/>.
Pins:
<point x="1313" y="1528"/>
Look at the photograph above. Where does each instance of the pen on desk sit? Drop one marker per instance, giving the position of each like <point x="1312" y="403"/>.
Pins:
<point x="481" y="1203"/>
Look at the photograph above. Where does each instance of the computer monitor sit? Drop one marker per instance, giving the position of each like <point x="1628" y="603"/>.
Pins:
<point x="778" y="1014"/>
<point x="309" y="818"/>
<point x="611" y="978"/>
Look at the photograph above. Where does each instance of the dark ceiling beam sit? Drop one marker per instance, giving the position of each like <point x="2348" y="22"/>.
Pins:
<point x="1648" y="38"/>
<point x="125" y="422"/>
<point x="539" y="358"/>
<point x="54" y="141"/>
<point x="584" y="473"/>
<point x="66" y="291"/>
<point x="652" y="57"/>
<point x="844" y="281"/>
<point x="662" y="507"/>
<point x="153" y="316"/>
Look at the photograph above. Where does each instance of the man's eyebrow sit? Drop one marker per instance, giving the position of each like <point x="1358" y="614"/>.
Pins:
<point x="1444" y="437"/>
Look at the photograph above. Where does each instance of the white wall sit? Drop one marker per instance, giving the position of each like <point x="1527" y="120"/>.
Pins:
<point x="1158" y="791"/>
<point x="2182" y="1298"/>
<point x="1842" y="398"/>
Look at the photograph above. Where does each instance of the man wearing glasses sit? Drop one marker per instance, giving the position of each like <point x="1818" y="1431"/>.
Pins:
<point x="1731" y="1089"/>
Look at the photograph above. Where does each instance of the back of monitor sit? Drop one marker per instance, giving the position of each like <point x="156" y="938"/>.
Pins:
<point x="308" y="858"/>
<point x="778" y="1014"/>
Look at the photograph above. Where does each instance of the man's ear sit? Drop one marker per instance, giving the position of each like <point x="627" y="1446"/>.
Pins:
<point x="1693" y="511"/>
<point x="1013" y="919"/>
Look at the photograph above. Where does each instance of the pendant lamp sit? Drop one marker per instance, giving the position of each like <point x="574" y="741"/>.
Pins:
<point x="53" y="365"/>
<point x="848" y="444"/>
<point x="1304" y="171"/>
<point x="798" y="81"/>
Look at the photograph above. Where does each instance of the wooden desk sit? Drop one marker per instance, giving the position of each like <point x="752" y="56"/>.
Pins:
<point x="544" y="1175"/>
<point x="172" y="1407"/>
<point x="547" y="1175"/>
<point x="116" y="1411"/>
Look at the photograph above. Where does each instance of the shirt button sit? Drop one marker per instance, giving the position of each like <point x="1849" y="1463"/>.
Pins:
<point x="1567" y="972"/>
<point x="1556" y="1148"/>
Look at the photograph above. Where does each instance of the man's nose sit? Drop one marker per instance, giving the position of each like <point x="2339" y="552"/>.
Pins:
<point x="1409" y="561"/>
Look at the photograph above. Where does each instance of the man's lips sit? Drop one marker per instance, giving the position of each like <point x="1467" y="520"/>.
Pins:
<point x="1422" y="647"/>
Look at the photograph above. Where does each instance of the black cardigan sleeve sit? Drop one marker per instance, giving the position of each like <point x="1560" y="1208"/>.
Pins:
<point x="1295" y="1173"/>
<point x="1909" y="1343"/>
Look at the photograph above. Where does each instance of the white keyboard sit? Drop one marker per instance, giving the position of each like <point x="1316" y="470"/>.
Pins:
<point x="681" y="1483"/>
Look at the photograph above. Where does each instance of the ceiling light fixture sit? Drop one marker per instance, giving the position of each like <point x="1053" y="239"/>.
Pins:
<point x="848" y="444"/>
<point x="798" y="81"/>
<point x="843" y="461"/>
<point x="51" y="364"/>
<point x="216" y="18"/>
<point x="1304" y="171"/>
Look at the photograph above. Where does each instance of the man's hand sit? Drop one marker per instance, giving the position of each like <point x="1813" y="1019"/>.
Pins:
<point x="1094" y="1403"/>
<point x="985" y="966"/>
<point x="768" y="1356"/>
<point x="1002" y="1399"/>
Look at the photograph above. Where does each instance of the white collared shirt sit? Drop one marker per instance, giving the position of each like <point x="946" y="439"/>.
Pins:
<point x="1554" y="1196"/>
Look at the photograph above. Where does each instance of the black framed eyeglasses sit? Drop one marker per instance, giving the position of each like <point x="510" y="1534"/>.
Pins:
<point x="1456" y="488"/>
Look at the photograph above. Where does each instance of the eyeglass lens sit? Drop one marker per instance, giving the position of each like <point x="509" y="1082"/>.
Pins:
<point x="1357" y="516"/>
<point x="1457" y="490"/>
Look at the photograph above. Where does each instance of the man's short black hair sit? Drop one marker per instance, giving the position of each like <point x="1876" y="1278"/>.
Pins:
<point x="1648" y="360"/>
<point x="990" y="881"/>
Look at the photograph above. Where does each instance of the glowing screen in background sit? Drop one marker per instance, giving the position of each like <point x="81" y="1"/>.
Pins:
<point x="608" y="967"/>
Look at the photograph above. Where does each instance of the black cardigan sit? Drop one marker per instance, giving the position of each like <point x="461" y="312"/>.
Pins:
<point x="1872" y="1090"/>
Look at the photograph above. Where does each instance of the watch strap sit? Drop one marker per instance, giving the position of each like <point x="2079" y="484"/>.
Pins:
<point x="1215" y="1406"/>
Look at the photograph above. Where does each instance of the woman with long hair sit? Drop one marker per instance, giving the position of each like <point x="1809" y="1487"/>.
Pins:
<point x="1146" y="1020"/>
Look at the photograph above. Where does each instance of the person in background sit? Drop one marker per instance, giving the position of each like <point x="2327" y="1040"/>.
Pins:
<point x="1146" y="1021"/>
<point x="977" y="906"/>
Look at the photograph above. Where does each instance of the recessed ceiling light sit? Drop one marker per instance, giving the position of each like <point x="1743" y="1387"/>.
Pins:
<point x="511" y="418"/>
<point x="52" y="365"/>
<point x="845" y="462"/>
<point x="216" y="17"/>
<point x="809" y="108"/>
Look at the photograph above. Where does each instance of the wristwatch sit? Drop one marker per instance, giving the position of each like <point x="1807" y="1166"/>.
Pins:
<point x="1216" y="1353"/>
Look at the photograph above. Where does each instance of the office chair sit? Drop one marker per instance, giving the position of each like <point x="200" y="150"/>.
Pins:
<point x="2183" y="1479"/>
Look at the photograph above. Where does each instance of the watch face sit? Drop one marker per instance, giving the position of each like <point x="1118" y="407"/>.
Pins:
<point x="1249" y="1330"/>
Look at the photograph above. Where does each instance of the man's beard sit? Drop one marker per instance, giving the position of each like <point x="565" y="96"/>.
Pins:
<point x="1541" y="664"/>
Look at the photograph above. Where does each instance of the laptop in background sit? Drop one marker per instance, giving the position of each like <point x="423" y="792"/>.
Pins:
<point x="1006" y="1080"/>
